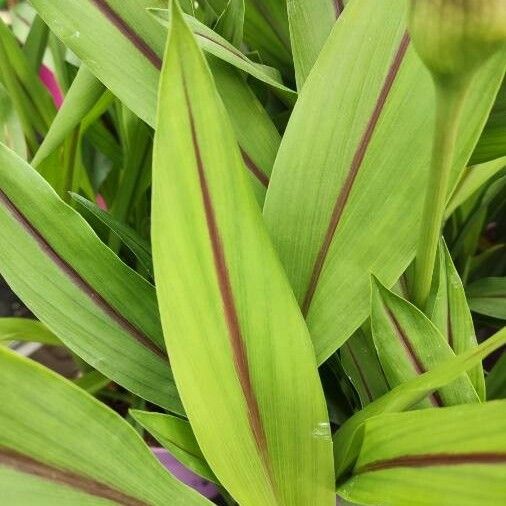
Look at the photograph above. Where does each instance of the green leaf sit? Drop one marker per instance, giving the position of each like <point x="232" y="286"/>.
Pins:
<point x="452" y="455"/>
<point x="487" y="296"/>
<point x="11" y="132"/>
<point x="213" y="43"/>
<point x="496" y="379"/>
<point x="106" y="34"/>
<point x="266" y="31"/>
<point x="84" y="93"/>
<point x="402" y="397"/>
<point x="92" y="382"/>
<point x="311" y="22"/>
<point x="408" y="344"/>
<point x="472" y="180"/>
<point x="24" y="329"/>
<point x="492" y="143"/>
<point x="98" y="307"/>
<point x="332" y="209"/>
<point x="136" y="244"/>
<point x="64" y="447"/>
<point x="256" y="405"/>
<point x="177" y="437"/>
<point x="230" y="24"/>
<point x="449" y="312"/>
<point x="361" y="363"/>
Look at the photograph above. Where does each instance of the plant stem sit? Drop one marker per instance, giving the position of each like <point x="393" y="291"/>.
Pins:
<point x="449" y="102"/>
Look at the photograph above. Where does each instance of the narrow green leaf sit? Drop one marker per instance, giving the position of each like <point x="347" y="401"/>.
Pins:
<point x="24" y="329"/>
<point x="449" y="312"/>
<point x="496" y="379"/>
<point x="36" y="42"/>
<point x="176" y="435"/>
<point x="487" y="296"/>
<point x="64" y="447"/>
<point x="114" y="326"/>
<point x="92" y="382"/>
<point x="408" y="344"/>
<point x="136" y="244"/>
<point x="347" y="439"/>
<point x="361" y="363"/>
<point x="28" y="78"/>
<point x="311" y="22"/>
<point x="474" y="178"/>
<point x="334" y="224"/>
<point x="261" y="422"/>
<point x="415" y="458"/>
<point x="84" y="93"/>
<point x="492" y="143"/>
<point x="266" y="31"/>
<point x="11" y="132"/>
<point x="230" y="24"/>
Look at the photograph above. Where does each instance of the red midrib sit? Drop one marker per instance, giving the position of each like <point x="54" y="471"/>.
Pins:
<point x="417" y="364"/>
<point x="83" y="285"/>
<point x="434" y="459"/>
<point x="344" y="194"/>
<point x="230" y="312"/>
<point x="28" y="465"/>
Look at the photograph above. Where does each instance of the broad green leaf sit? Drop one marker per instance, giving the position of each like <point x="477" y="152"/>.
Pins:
<point x="107" y="33"/>
<point x="452" y="455"/>
<point x="473" y="178"/>
<point x="64" y="447"/>
<point x="255" y="403"/>
<point x="84" y="93"/>
<point x="230" y="24"/>
<point x="408" y="344"/>
<point x="360" y="361"/>
<point x="176" y="435"/>
<point x="492" y="143"/>
<point x="449" y="312"/>
<point x="311" y="22"/>
<point x="136" y="244"/>
<point x="331" y="208"/>
<point x="347" y="439"/>
<point x="24" y="329"/>
<point x="11" y="132"/>
<point x="102" y="310"/>
<point x="487" y="296"/>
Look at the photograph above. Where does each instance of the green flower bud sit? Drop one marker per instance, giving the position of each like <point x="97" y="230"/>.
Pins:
<point x="454" y="37"/>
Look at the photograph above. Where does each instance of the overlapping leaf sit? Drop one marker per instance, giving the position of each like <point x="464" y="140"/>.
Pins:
<point x="176" y="435"/>
<point x="487" y="296"/>
<point x="408" y="344"/>
<point x="11" y="132"/>
<point x="311" y="22"/>
<point x="95" y="304"/>
<point x="25" y="329"/>
<point x="451" y="455"/>
<point x="449" y="311"/>
<point x="348" y="438"/>
<point x="360" y="361"/>
<point x="239" y="348"/>
<point x="353" y="160"/>
<point x="64" y="447"/>
<point x="107" y="33"/>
